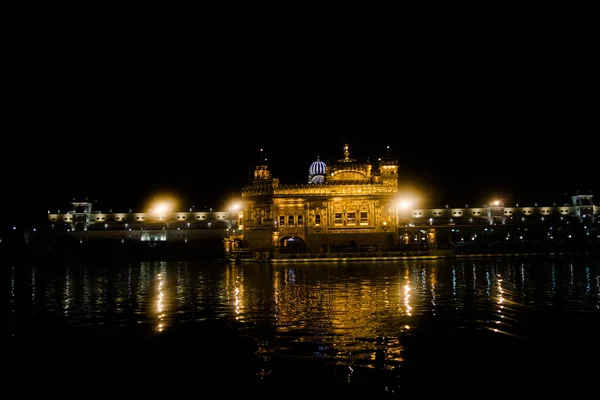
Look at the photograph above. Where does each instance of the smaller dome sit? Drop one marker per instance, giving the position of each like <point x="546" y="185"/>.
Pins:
<point x="317" y="179"/>
<point x="317" y="168"/>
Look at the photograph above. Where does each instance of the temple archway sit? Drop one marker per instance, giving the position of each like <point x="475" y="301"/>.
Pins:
<point x="292" y="244"/>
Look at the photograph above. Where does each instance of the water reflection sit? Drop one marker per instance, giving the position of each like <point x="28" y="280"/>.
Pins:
<point x="235" y="294"/>
<point x="160" y="300"/>
<point x="67" y="297"/>
<point x="350" y="317"/>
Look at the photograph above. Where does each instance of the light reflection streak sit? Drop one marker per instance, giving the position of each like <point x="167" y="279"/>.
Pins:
<point x="598" y="290"/>
<point x="101" y="289"/>
<point x="407" y="306"/>
<point x="502" y="320"/>
<point x="523" y="281"/>
<point x="180" y="288"/>
<point x="86" y="291"/>
<point x="67" y="292"/>
<point x="234" y="289"/>
<point x="236" y="302"/>
<point x="500" y="298"/>
<point x="433" y="283"/>
<point x="587" y="279"/>
<point x="404" y="293"/>
<point x="13" y="299"/>
<point x="129" y="287"/>
<point x="571" y="278"/>
<point x="161" y="300"/>
<point x="143" y="282"/>
<point x="553" y="287"/>
<point x="49" y="293"/>
<point x="454" y="281"/>
<point x="276" y="294"/>
<point x="511" y="274"/>
<point x="496" y="330"/>
<point x="33" y="288"/>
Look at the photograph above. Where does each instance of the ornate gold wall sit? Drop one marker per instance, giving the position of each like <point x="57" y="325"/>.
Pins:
<point x="337" y="214"/>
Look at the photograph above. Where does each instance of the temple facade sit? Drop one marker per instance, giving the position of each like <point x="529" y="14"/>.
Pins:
<point x="346" y="205"/>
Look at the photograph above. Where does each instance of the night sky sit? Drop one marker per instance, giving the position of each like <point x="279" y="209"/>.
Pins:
<point x="119" y="124"/>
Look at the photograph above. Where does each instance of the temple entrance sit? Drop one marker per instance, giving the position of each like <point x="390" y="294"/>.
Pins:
<point x="292" y="244"/>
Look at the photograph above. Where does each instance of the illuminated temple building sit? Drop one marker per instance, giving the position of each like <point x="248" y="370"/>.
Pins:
<point x="345" y="208"/>
<point x="346" y="205"/>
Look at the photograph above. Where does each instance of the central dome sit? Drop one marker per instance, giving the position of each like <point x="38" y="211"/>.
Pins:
<point x="317" y="168"/>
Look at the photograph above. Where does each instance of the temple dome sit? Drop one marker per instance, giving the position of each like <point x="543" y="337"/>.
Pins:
<point x="317" y="168"/>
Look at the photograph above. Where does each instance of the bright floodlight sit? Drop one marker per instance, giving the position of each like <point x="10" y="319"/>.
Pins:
<point x="161" y="205"/>
<point x="404" y="204"/>
<point x="161" y="208"/>
<point x="235" y="206"/>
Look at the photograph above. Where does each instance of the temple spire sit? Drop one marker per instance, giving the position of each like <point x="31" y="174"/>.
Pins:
<point x="347" y="154"/>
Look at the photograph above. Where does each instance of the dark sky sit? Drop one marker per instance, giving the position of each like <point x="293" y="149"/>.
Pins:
<point x="118" y="121"/>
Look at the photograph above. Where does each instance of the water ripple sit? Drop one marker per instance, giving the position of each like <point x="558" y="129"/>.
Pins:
<point x="352" y="322"/>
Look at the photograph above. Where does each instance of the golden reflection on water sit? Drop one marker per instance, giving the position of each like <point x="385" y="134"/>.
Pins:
<point x="348" y="320"/>
<point x="407" y="306"/>
<point x="405" y="295"/>
<point x="505" y="319"/>
<point x="161" y="297"/>
<point x="500" y="301"/>
<point x="235" y="294"/>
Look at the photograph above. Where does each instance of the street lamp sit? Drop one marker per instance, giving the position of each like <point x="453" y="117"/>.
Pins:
<point x="402" y="206"/>
<point x="160" y="209"/>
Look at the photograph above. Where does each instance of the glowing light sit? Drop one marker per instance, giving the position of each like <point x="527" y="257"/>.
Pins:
<point x="161" y="205"/>
<point x="404" y="204"/>
<point x="160" y="209"/>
